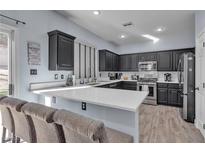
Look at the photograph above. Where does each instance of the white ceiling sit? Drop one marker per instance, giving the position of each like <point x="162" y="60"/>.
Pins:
<point x="108" y="25"/>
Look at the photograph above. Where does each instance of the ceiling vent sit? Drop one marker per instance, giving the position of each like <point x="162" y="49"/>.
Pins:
<point x="127" y="24"/>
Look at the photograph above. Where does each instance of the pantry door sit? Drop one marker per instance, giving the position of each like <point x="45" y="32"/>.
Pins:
<point x="200" y="79"/>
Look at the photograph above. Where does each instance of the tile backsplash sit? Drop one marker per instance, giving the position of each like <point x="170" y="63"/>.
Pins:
<point x="159" y="75"/>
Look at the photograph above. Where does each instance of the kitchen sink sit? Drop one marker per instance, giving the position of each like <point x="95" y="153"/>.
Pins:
<point x="93" y="83"/>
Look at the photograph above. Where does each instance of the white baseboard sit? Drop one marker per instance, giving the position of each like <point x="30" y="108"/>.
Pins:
<point x="199" y="124"/>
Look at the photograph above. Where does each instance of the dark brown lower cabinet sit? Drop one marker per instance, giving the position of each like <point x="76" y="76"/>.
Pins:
<point x="169" y="94"/>
<point x="172" y="96"/>
<point x="162" y="97"/>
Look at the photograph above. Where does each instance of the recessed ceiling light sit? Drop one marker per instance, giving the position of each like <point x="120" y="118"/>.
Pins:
<point x="154" y="39"/>
<point x="160" y="29"/>
<point x="122" y="36"/>
<point x="96" y="13"/>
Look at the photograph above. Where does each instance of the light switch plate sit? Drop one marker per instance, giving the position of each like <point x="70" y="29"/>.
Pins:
<point x="33" y="71"/>
<point x="56" y="76"/>
<point x="83" y="105"/>
<point x="62" y="76"/>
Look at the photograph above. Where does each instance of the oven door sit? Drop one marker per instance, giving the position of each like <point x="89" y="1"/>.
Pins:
<point x="152" y="95"/>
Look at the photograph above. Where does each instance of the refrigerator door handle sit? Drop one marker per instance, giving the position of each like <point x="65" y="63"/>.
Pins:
<point x="179" y="71"/>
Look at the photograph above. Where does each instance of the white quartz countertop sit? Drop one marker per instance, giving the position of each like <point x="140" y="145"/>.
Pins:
<point x="115" y="98"/>
<point x="99" y="83"/>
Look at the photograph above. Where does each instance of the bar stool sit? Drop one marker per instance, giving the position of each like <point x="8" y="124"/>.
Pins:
<point x="24" y="128"/>
<point x="80" y="129"/>
<point x="7" y="123"/>
<point x="46" y="130"/>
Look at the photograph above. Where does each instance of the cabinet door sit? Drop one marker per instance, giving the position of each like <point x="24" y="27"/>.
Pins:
<point x="151" y="57"/>
<point x="134" y="62"/>
<point x="108" y="63"/>
<point x="164" y="61"/>
<point x="180" y="98"/>
<point x="123" y="63"/>
<point x="115" y="62"/>
<point x="173" y="97"/>
<point x="65" y="53"/>
<point x="102" y="61"/>
<point x="142" y="57"/>
<point x="162" y="97"/>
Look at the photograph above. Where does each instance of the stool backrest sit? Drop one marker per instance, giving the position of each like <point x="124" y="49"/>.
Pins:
<point x="79" y="129"/>
<point x="46" y="130"/>
<point x="6" y="117"/>
<point x="24" y="128"/>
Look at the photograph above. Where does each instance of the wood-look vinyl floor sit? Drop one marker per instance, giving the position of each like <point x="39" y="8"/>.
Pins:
<point x="163" y="124"/>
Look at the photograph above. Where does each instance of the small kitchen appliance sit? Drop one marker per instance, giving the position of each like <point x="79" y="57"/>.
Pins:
<point x="147" y="66"/>
<point x="113" y="76"/>
<point x="168" y="77"/>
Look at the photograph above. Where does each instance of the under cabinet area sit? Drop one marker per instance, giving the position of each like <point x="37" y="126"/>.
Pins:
<point x="61" y="51"/>
<point x="169" y="94"/>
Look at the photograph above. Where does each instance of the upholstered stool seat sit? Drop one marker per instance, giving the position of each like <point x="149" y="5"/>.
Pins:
<point x="46" y="130"/>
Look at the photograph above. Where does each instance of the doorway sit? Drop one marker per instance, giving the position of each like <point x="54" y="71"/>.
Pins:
<point x="6" y="59"/>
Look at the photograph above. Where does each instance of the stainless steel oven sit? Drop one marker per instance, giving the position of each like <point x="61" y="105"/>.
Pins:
<point x="151" y="88"/>
<point x="147" y="66"/>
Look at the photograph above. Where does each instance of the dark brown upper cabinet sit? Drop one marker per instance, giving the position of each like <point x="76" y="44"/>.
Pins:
<point x="61" y="51"/>
<point x="164" y="61"/>
<point x="108" y="61"/>
<point x="147" y="56"/>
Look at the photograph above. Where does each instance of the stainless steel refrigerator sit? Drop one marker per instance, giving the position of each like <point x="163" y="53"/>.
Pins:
<point x="186" y="77"/>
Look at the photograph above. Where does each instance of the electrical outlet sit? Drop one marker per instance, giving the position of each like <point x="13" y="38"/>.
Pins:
<point x="83" y="106"/>
<point x="33" y="71"/>
<point x="56" y="76"/>
<point x="62" y="76"/>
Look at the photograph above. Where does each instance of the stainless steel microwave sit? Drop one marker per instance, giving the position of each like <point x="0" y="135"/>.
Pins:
<point x="147" y="66"/>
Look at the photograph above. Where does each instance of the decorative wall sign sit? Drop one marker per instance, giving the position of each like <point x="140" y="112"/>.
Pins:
<point x="34" y="56"/>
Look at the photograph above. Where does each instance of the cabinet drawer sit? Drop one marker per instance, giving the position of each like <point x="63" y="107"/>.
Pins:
<point x="162" y="85"/>
<point x="173" y="85"/>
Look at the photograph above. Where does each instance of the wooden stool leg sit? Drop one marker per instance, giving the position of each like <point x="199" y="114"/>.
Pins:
<point x="17" y="140"/>
<point x="3" y="135"/>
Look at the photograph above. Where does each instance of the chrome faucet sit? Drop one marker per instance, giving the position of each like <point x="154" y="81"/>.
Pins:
<point x="69" y="81"/>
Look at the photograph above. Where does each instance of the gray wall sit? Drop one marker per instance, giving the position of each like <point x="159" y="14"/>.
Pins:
<point x="38" y="23"/>
<point x="199" y="21"/>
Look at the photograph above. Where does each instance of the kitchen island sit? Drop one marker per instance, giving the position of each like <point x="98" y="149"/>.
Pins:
<point x="117" y="108"/>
